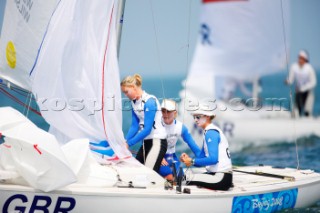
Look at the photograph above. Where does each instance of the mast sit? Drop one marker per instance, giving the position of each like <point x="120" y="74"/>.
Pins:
<point x="120" y="15"/>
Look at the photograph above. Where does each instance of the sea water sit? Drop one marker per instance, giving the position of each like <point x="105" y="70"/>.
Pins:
<point x="305" y="153"/>
<point x="282" y="154"/>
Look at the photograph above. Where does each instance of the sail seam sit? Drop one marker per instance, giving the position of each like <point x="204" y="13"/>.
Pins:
<point x="103" y="72"/>
<point x="44" y="36"/>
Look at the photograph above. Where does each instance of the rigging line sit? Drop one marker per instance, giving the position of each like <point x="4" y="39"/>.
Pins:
<point x="18" y="101"/>
<point x="22" y="93"/>
<point x="157" y="47"/>
<point x="13" y="87"/>
<point x="290" y="87"/>
<point x="26" y="110"/>
<point x="27" y="103"/>
<point x="159" y="64"/>
<point x="187" y="63"/>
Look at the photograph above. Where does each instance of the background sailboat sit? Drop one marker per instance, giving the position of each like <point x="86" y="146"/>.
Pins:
<point x="240" y="41"/>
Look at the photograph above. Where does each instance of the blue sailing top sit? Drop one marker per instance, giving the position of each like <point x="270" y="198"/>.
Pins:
<point x="174" y="131"/>
<point x="212" y="139"/>
<point x="132" y="136"/>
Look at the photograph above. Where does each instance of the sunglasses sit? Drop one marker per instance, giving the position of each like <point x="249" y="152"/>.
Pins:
<point x="197" y="117"/>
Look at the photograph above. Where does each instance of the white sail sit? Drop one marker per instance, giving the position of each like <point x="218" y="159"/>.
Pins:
<point x="239" y="40"/>
<point x="242" y="39"/>
<point x="76" y="78"/>
<point x="24" y="25"/>
<point x="32" y="154"/>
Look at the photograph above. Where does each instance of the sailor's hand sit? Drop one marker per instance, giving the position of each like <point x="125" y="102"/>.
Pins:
<point x="164" y="162"/>
<point x="188" y="161"/>
<point x="183" y="156"/>
<point x="127" y="145"/>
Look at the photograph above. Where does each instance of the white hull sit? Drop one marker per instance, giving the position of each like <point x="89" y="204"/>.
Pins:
<point x="302" y="192"/>
<point x="243" y="131"/>
<point x="255" y="132"/>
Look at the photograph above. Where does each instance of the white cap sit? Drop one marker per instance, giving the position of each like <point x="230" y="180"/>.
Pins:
<point x="204" y="109"/>
<point x="168" y="104"/>
<point x="304" y="55"/>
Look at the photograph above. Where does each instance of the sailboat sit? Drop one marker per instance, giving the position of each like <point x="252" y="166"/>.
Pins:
<point x="76" y="63"/>
<point x="239" y="43"/>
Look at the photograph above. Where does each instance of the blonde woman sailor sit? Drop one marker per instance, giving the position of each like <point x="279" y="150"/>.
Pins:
<point x="214" y="155"/>
<point x="146" y="123"/>
<point x="175" y="129"/>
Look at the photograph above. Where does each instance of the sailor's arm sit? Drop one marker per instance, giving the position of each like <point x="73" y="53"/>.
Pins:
<point x="290" y="77"/>
<point x="134" y="128"/>
<point x="312" y="80"/>
<point x="186" y="136"/>
<point x="213" y="149"/>
<point x="149" y="116"/>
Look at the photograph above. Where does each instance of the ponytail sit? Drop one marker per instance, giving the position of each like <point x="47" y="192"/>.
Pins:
<point x="135" y="80"/>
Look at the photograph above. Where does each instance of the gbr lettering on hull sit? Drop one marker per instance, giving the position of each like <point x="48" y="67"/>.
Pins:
<point x="38" y="203"/>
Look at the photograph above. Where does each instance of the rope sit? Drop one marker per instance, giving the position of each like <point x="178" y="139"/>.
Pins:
<point x="187" y="63"/>
<point x="16" y="89"/>
<point x="157" y="47"/>
<point x="22" y="92"/>
<point x="19" y="102"/>
<point x="159" y="64"/>
<point x="290" y="94"/>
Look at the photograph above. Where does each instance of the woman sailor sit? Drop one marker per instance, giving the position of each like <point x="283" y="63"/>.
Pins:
<point x="174" y="129"/>
<point x="214" y="155"/>
<point x="146" y="123"/>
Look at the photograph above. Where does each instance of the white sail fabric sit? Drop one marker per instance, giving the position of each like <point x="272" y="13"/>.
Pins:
<point x="76" y="78"/>
<point x="241" y="39"/>
<point x="24" y="25"/>
<point x="238" y="41"/>
<point x="32" y="154"/>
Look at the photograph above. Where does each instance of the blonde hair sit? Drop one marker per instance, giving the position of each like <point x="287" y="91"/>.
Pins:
<point x="135" y="80"/>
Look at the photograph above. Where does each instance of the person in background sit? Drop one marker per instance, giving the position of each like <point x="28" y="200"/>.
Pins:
<point x="146" y="123"/>
<point x="303" y="74"/>
<point x="214" y="156"/>
<point x="174" y="130"/>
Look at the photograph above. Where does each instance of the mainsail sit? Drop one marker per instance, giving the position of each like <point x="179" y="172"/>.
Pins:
<point x="239" y="40"/>
<point x="24" y="25"/>
<point x="76" y="78"/>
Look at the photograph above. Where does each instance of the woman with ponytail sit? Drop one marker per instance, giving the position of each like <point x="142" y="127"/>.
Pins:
<point x="146" y="123"/>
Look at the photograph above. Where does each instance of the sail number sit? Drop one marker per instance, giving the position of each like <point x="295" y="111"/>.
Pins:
<point x="39" y="203"/>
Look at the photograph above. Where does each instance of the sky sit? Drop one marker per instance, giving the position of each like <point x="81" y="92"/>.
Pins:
<point x="164" y="53"/>
<point x="159" y="36"/>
